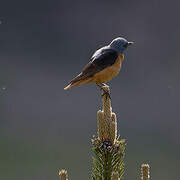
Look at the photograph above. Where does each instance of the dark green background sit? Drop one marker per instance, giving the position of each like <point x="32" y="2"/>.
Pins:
<point x="43" y="44"/>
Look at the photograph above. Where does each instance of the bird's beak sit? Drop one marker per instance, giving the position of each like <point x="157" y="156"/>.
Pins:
<point x="130" y="43"/>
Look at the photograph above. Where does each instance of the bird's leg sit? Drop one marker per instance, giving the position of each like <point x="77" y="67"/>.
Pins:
<point x="105" y="91"/>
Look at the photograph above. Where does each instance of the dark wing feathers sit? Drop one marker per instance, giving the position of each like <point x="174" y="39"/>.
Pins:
<point x="103" y="59"/>
<point x="107" y="58"/>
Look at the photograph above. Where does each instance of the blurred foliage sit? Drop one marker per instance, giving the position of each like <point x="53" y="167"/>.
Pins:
<point x="107" y="159"/>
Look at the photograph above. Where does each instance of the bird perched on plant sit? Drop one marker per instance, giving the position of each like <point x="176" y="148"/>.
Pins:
<point x="105" y="64"/>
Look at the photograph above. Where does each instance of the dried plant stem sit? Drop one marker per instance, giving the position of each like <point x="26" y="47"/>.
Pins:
<point x="107" y="122"/>
<point x="145" y="172"/>
<point x="108" y="150"/>
<point x="63" y="174"/>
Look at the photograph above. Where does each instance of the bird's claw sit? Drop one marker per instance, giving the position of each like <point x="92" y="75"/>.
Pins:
<point x="106" y="93"/>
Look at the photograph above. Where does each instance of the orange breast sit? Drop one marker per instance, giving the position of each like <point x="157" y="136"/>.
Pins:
<point x="110" y="72"/>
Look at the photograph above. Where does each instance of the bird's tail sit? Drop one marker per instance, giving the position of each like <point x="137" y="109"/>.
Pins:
<point x="77" y="81"/>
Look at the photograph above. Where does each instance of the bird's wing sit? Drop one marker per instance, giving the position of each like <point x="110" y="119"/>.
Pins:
<point x="103" y="59"/>
<point x="100" y="60"/>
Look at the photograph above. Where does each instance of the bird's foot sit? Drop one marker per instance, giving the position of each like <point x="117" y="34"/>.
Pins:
<point x="105" y="92"/>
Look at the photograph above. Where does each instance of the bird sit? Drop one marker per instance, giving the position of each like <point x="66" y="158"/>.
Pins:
<point x="104" y="65"/>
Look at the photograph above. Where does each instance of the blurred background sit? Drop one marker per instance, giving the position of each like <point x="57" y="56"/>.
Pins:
<point x="43" y="44"/>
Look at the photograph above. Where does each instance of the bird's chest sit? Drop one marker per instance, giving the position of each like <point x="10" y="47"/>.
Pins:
<point x="115" y="68"/>
<point x="110" y="72"/>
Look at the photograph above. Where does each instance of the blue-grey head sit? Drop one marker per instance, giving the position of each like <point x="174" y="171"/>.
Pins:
<point x="120" y="44"/>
